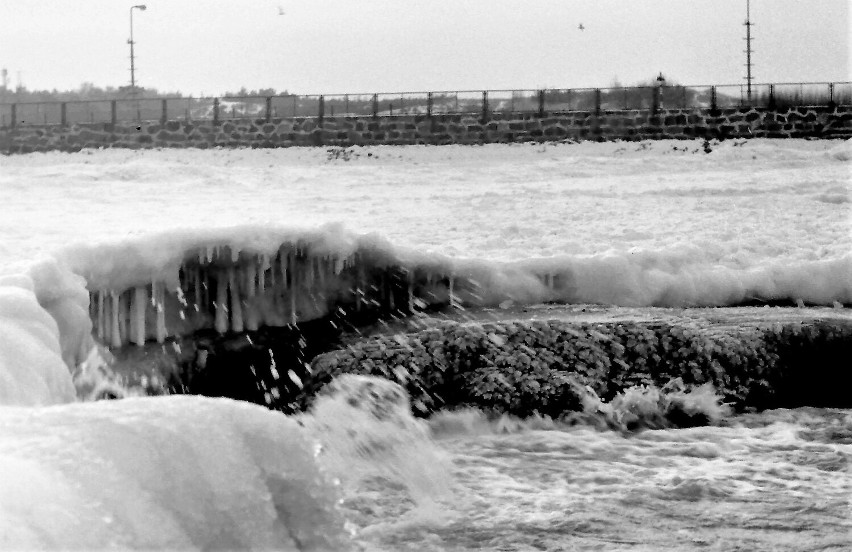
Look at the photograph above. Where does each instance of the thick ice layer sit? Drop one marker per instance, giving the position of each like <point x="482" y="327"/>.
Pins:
<point x="162" y="473"/>
<point x="32" y="371"/>
<point x="160" y="286"/>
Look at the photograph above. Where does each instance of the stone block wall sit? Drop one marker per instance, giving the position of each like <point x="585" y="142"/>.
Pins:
<point x="792" y="122"/>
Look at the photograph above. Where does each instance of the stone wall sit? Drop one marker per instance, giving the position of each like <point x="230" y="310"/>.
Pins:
<point x="793" y="122"/>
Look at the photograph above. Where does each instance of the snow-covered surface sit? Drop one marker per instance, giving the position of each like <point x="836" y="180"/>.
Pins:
<point x="742" y="204"/>
<point x="653" y="223"/>
<point x="167" y="473"/>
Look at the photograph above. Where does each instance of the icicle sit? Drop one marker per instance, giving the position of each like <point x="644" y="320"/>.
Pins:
<point x="292" y="299"/>
<point x="236" y="308"/>
<point x="123" y="310"/>
<point x="158" y="299"/>
<point x="252" y="318"/>
<point x="185" y="276"/>
<point x="309" y="278"/>
<point x="261" y="273"/>
<point x="93" y="306"/>
<point x="322" y="268"/>
<point x="221" y="317"/>
<point x="115" y="331"/>
<point x="235" y="255"/>
<point x="182" y="281"/>
<point x="250" y="280"/>
<point x="452" y="296"/>
<point x="272" y="272"/>
<point x="205" y="290"/>
<point x="107" y="318"/>
<point x="196" y="287"/>
<point x="139" y="303"/>
<point x="99" y="298"/>
<point x="338" y="265"/>
<point x="285" y="258"/>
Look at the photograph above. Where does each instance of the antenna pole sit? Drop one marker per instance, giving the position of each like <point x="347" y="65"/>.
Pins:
<point x="748" y="50"/>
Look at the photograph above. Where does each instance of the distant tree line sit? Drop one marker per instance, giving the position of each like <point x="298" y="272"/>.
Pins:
<point x="88" y="91"/>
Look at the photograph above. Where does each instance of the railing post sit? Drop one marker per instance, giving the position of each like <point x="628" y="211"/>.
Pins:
<point x="164" y="115"/>
<point x="429" y="104"/>
<point x="597" y="101"/>
<point x="268" y="108"/>
<point x="375" y="106"/>
<point x="831" y="94"/>
<point x="484" y="105"/>
<point x="113" y="108"/>
<point x="771" y="104"/>
<point x="656" y="92"/>
<point x="63" y="114"/>
<point x="321" y="113"/>
<point x="14" y="114"/>
<point x="541" y="103"/>
<point x="713" y="103"/>
<point x="215" y="111"/>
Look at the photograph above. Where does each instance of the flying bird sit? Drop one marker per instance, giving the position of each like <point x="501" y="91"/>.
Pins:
<point x="581" y="27"/>
<point x="280" y="10"/>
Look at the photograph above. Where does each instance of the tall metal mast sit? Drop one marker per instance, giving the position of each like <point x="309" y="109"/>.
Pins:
<point x="140" y="7"/>
<point x="748" y="50"/>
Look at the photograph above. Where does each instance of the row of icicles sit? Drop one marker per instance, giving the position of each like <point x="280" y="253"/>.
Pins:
<point x="229" y="290"/>
<point x="236" y="291"/>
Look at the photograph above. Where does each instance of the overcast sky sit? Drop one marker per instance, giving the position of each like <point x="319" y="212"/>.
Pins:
<point x="337" y="46"/>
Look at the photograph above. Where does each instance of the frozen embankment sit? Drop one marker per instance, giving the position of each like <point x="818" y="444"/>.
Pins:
<point x="243" y="278"/>
<point x="173" y="287"/>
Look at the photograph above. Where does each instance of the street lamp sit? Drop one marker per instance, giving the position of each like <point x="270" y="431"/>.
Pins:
<point x="140" y="7"/>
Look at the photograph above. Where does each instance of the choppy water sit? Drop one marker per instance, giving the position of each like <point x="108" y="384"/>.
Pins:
<point x="778" y="480"/>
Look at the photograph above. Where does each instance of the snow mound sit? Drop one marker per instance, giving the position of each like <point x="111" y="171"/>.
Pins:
<point x="162" y="473"/>
<point x="32" y="372"/>
<point x="843" y="151"/>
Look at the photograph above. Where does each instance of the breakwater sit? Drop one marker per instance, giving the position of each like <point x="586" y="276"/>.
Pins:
<point x="438" y="129"/>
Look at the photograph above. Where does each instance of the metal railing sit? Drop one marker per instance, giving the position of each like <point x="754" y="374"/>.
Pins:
<point x="478" y="102"/>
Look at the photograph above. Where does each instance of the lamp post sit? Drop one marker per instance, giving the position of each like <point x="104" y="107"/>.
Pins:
<point x="140" y="7"/>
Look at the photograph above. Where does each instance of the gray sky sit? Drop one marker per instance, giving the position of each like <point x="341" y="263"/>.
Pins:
<point x="337" y="46"/>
